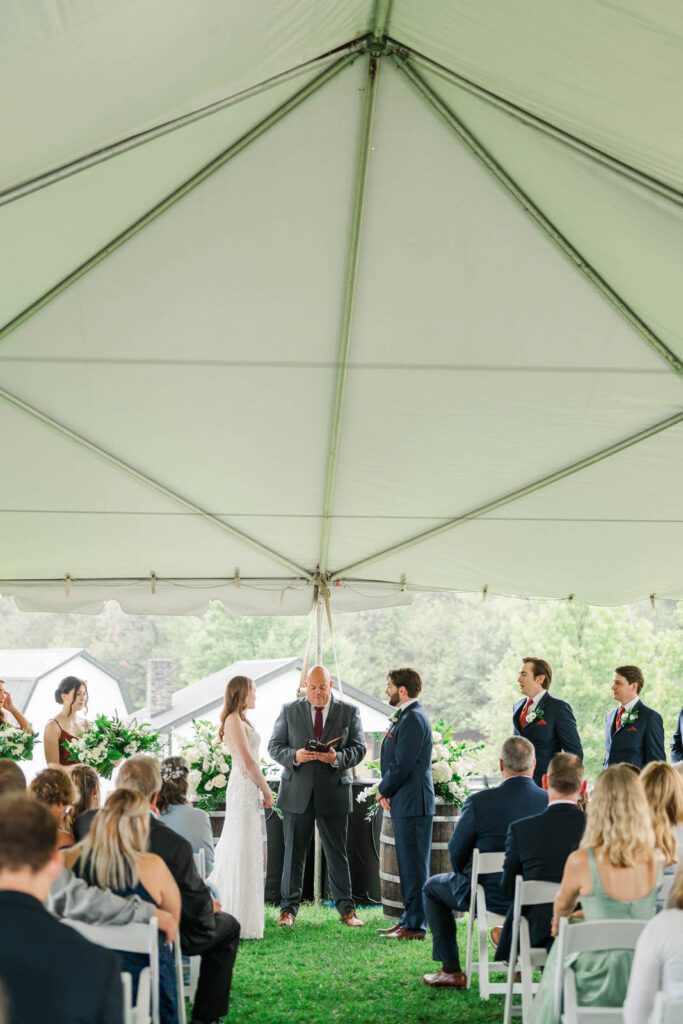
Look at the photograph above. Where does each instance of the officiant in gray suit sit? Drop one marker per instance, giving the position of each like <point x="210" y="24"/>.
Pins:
<point x="316" y="789"/>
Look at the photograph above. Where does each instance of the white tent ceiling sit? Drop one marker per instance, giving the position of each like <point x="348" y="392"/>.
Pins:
<point x="386" y="292"/>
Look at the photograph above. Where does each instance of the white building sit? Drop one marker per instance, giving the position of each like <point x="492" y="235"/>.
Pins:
<point x="32" y="676"/>
<point x="277" y="683"/>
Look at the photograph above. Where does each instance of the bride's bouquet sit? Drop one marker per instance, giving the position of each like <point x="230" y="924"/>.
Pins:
<point x="107" y="741"/>
<point x="452" y="766"/>
<point x="16" y="744"/>
<point x="210" y="765"/>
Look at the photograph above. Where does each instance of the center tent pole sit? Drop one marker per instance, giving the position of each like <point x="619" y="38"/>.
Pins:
<point x="318" y="853"/>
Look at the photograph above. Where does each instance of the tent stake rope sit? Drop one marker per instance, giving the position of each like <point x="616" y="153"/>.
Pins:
<point x="660" y="188"/>
<point x="99" y="156"/>
<point x="523" y="492"/>
<point x="350" y="285"/>
<point x="150" y="482"/>
<point x="179" y="193"/>
<point x="537" y="215"/>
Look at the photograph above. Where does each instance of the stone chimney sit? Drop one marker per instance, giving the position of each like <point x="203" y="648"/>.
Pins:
<point x="159" y="685"/>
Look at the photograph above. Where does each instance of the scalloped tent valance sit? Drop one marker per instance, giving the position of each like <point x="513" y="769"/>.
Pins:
<point x="380" y="294"/>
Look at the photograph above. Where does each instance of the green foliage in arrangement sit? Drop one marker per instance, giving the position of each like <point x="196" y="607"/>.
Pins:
<point x="319" y="972"/>
<point x="108" y="740"/>
<point x="16" y="744"/>
<point x="210" y="765"/>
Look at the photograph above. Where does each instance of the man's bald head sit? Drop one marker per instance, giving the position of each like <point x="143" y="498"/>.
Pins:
<point x="318" y="686"/>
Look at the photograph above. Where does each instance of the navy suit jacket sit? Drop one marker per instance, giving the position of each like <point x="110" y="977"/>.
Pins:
<point x="553" y="730"/>
<point x="677" y="741"/>
<point x="537" y="849"/>
<point x="636" y="742"/>
<point x="406" y="764"/>
<point x="483" y="823"/>
<point x="50" y="973"/>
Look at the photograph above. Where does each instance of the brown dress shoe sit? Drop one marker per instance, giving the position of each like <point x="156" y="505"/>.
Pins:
<point x="404" y="933"/>
<point x="495" y="935"/>
<point x="442" y="979"/>
<point x="351" y="920"/>
<point x="388" y="931"/>
<point x="286" y="919"/>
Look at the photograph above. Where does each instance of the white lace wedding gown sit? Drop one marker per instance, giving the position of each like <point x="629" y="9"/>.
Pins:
<point x="240" y="858"/>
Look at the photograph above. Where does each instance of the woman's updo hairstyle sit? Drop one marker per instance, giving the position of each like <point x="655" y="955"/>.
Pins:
<point x="174" y="781"/>
<point x="71" y="684"/>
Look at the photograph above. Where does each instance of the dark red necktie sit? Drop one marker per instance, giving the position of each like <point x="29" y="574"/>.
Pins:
<point x="617" y="724"/>
<point x="318" y="724"/>
<point x="522" y="717"/>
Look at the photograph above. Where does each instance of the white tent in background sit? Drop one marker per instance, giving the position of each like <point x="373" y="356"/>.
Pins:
<point x="386" y="294"/>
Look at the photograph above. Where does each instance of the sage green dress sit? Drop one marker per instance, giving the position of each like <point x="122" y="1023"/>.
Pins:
<point x="601" y="978"/>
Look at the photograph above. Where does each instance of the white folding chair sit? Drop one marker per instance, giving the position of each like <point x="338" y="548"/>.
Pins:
<point x="666" y="887"/>
<point x="481" y="919"/>
<point x="137" y="1013"/>
<point x="589" y="937"/>
<point x="524" y="957"/>
<point x="195" y="961"/>
<point x="665" y="1011"/>
<point x="127" y="999"/>
<point x="132" y="938"/>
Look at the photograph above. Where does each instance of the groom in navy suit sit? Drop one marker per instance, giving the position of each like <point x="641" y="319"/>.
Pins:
<point x="634" y="733"/>
<point x="548" y="723"/>
<point x="407" y="793"/>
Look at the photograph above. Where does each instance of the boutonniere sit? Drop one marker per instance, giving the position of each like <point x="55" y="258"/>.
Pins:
<point x="629" y="717"/>
<point x="536" y="716"/>
<point x="395" y="717"/>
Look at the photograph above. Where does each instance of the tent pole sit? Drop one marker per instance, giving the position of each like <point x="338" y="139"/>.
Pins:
<point x="406" y="54"/>
<point x="500" y="174"/>
<point x="380" y="19"/>
<point x="350" y="283"/>
<point x="179" y="193"/>
<point x="98" y="156"/>
<point x="522" y="492"/>
<point x="148" y="481"/>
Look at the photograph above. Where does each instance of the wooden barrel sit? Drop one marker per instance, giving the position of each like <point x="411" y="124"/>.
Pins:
<point x="217" y="819"/>
<point x="445" y="818"/>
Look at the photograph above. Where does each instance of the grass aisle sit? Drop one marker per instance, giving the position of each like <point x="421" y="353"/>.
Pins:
<point x="320" y="971"/>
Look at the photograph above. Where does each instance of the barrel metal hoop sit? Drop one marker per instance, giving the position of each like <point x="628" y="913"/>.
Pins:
<point x="389" y="878"/>
<point x="439" y="846"/>
<point x="437" y="817"/>
<point x="393" y="903"/>
<point x="389" y="840"/>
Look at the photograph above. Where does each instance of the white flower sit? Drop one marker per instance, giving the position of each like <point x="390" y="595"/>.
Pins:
<point x="194" y="777"/>
<point x="455" y="788"/>
<point x="436" y="736"/>
<point x="366" y="793"/>
<point x="208" y="785"/>
<point x="441" y="771"/>
<point x="220" y="782"/>
<point x="223" y="766"/>
<point x="442" y="753"/>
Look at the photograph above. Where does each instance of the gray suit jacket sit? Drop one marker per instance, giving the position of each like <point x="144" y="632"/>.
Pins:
<point x="330" y="785"/>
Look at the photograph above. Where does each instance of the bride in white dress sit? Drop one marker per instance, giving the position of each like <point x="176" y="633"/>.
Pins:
<point x="239" y="863"/>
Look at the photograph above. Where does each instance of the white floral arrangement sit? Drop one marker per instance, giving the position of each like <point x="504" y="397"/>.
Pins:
<point x="107" y="741"/>
<point x="16" y="744"/>
<point x="452" y="765"/>
<point x="210" y="765"/>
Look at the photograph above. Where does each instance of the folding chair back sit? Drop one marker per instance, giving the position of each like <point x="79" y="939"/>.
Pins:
<point x="523" y="957"/>
<point x="665" y="1011"/>
<point x="589" y="937"/>
<point x="481" y="918"/>
<point x="200" y="864"/>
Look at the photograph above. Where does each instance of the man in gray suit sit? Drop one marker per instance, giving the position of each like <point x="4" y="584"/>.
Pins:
<point x="316" y="788"/>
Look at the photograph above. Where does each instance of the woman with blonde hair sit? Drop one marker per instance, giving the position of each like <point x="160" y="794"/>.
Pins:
<point x="54" y="788"/>
<point x="615" y="874"/>
<point x="664" y="793"/>
<point x="239" y="868"/>
<point x="114" y="856"/>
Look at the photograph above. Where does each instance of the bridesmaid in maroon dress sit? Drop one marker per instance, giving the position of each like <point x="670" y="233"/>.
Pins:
<point x="72" y="695"/>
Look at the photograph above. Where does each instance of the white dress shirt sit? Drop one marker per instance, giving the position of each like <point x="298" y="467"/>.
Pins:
<point x="657" y="965"/>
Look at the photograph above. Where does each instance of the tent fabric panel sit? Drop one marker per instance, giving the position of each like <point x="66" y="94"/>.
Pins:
<point x="632" y="237"/>
<point x="608" y="73"/>
<point x="48" y="234"/>
<point x="126" y="67"/>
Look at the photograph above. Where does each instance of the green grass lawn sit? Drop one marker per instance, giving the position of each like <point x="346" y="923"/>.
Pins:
<point x="320" y="971"/>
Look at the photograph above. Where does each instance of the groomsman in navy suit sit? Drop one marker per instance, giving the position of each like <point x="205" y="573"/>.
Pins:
<point x="677" y="741"/>
<point x="634" y="733"/>
<point x="548" y="723"/>
<point x="407" y="793"/>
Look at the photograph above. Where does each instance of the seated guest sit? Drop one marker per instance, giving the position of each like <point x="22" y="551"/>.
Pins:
<point x="12" y="779"/>
<point x="87" y="783"/>
<point x="54" y="788"/>
<point x="483" y="823"/>
<point x="537" y="848"/>
<point x="189" y="822"/>
<point x="204" y="931"/>
<point x="49" y="972"/>
<point x="615" y="874"/>
<point x="664" y="793"/>
<point x="114" y="856"/>
<point x="658" y="961"/>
